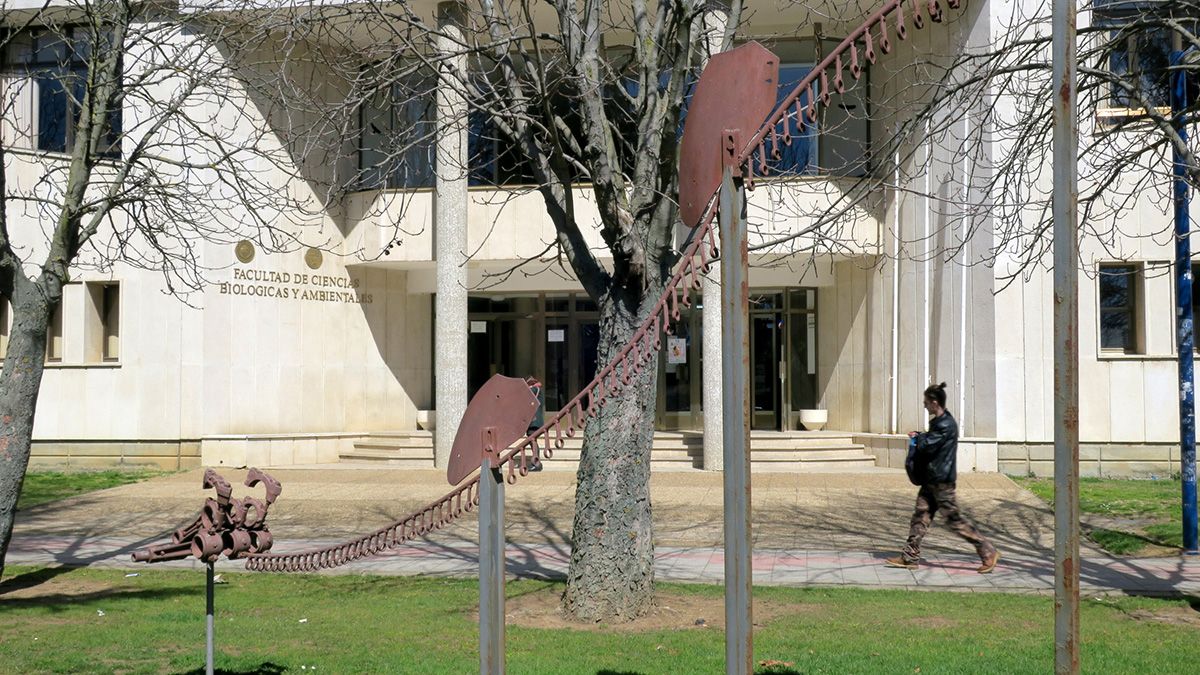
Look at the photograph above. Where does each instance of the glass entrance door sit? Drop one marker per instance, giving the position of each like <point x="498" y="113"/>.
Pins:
<point x="765" y="341"/>
<point x="493" y="348"/>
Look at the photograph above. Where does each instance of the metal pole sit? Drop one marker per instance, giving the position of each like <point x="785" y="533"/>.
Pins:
<point x="735" y="405"/>
<point x="1066" y="343"/>
<point x="1184" y="336"/>
<point x="491" y="570"/>
<point x="208" y="621"/>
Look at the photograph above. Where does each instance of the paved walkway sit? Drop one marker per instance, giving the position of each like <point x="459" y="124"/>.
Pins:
<point x="809" y="529"/>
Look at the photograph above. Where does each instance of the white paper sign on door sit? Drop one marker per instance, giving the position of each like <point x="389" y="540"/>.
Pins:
<point x="676" y="350"/>
<point x="478" y="326"/>
<point x="556" y="335"/>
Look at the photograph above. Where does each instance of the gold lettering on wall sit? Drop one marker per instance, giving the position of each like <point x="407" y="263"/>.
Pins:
<point x="295" y="286"/>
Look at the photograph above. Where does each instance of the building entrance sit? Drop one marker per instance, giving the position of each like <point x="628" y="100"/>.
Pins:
<point x="783" y="351"/>
<point x="555" y="339"/>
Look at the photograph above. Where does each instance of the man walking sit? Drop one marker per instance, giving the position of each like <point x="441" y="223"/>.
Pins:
<point x="937" y="467"/>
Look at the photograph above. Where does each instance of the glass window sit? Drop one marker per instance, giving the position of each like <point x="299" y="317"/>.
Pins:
<point x="1138" y="52"/>
<point x="110" y="319"/>
<point x="1118" y="308"/>
<point x="799" y="157"/>
<point x="397" y="139"/>
<point x="57" y="65"/>
<point x="1141" y="59"/>
<point x="585" y="304"/>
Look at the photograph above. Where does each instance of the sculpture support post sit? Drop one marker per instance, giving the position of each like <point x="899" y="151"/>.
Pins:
<point x="735" y="300"/>
<point x="491" y="570"/>
<point x="1066" y="342"/>
<point x="208" y="620"/>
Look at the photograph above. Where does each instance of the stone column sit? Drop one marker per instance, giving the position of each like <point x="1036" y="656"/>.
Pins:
<point x="715" y="20"/>
<point x="450" y="235"/>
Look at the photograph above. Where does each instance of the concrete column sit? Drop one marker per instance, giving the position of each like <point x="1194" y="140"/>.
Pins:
<point x="715" y="20"/>
<point x="450" y="234"/>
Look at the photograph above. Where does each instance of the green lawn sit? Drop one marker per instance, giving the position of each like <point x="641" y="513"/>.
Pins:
<point x="1153" y="506"/>
<point x="50" y="621"/>
<point x="46" y="486"/>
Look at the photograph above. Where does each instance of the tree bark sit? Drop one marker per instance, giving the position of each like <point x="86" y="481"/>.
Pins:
<point x="20" y="381"/>
<point x="611" y="574"/>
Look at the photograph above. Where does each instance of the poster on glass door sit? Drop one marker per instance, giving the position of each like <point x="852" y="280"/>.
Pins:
<point x="676" y="350"/>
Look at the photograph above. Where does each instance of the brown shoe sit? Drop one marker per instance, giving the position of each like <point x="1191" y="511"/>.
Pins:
<point x="900" y="562"/>
<point x="989" y="563"/>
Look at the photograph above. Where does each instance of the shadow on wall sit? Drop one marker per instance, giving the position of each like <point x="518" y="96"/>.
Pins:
<point x="321" y="145"/>
<point x="401" y="325"/>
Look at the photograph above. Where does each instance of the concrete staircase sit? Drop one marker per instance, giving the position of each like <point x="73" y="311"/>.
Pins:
<point x="402" y="449"/>
<point x="795" y="451"/>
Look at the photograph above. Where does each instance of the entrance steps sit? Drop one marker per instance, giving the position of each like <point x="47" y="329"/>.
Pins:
<point x="793" y="451"/>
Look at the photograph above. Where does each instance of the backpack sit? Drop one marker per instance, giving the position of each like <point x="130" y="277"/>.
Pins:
<point x="914" y="470"/>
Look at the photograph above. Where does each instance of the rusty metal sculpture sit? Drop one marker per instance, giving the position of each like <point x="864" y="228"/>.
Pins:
<point x="225" y="526"/>
<point x="750" y="155"/>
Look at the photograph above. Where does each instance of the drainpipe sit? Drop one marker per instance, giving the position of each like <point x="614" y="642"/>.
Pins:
<point x="962" y="325"/>
<point x="928" y="255"/>
<point x="1184" y="336"/>
<point x="894" y="427"/>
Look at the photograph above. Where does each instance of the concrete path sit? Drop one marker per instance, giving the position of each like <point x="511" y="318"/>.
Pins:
<point x="809" y="529"/>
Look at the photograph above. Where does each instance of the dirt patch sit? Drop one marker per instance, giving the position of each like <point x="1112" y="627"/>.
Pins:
<point x="671" y="611"/>
<point x="42" y="585"/>
<point x="1175" y="616"/>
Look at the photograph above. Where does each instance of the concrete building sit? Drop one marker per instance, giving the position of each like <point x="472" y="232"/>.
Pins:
<point x="335" y="351"/>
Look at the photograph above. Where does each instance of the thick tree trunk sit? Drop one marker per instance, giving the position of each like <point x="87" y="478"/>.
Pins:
<point x="611" y="575"/>
<point x="20" y="381"/>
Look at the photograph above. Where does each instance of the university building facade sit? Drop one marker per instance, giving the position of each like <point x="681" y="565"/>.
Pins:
<point x="425" y="282"/>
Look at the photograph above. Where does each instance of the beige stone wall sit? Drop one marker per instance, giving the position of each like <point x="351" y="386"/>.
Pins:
<point x="168" y="455"/>
<point x="1135" y="460"/>
<point x="890" y="450"/>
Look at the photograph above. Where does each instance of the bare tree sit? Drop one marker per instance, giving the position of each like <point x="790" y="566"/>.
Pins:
<point x="158" y="131"/>
<point x="585" y="96"/>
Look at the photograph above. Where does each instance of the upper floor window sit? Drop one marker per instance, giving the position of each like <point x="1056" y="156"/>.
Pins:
<point x="45" y="77"/>
<point x="398" y="135"/>
<point x="399" y="128"/>
<point x="1137" y="54"/>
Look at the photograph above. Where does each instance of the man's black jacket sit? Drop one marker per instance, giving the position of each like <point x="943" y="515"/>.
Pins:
<point x="937" y="450"/>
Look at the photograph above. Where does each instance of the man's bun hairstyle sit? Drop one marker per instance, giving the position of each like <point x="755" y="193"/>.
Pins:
<point x="937" y="392"/>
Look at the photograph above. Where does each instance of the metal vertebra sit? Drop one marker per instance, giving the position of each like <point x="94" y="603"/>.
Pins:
<point x="235" y="528"/>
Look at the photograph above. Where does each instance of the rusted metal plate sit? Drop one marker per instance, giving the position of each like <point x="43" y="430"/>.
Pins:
<point x="737" y="90"/>
<point x="498" y="415"/>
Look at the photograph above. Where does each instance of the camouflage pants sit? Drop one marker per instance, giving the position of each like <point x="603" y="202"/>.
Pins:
<point x="930" y="500"/>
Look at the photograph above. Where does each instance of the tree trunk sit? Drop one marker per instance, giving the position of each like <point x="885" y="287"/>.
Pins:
<point x="20" y="381"/>
<point x="611" y="575"/>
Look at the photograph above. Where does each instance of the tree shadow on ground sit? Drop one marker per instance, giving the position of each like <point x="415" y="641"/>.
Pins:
<point x="55" y="602"/>
<point x="266" y="668"/>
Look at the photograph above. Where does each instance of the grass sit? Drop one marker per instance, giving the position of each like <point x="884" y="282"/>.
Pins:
<point x="362" y="624"/>
<point x="1153" y="506"/>
<point x="47" y="486"/>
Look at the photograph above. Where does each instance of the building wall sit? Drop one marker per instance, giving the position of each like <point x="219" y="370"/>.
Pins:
<point x="265" y="350"/>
